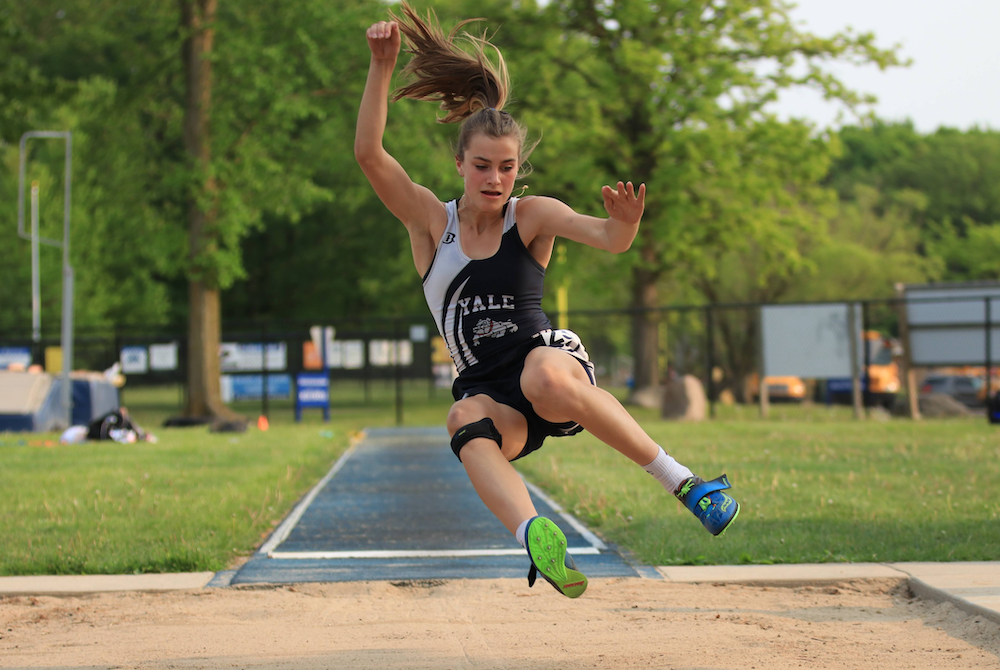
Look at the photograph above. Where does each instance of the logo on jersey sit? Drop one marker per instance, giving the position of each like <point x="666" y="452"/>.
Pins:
<point x="475" y="303"/>
<point x="448" y="238"/>
<point x="490" y="328"/>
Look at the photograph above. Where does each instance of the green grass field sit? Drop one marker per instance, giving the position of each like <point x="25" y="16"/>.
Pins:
<point x="814" y="484"/>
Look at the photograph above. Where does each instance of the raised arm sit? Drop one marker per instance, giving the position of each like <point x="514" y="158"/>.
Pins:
<point x="549" y="218"/>
<point x="411" y="203"/>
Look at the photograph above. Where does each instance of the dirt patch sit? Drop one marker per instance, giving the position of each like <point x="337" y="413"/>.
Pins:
<point x="618" y="623"/>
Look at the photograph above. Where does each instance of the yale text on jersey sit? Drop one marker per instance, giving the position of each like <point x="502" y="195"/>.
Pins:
<point x="475" y="303"/>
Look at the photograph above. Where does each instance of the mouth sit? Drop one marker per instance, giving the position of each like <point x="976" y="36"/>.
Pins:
<point x="492" y="194"/>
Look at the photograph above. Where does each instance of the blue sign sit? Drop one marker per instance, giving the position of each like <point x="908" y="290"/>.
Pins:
<point x="312" y="390"/>
<point x="19" y="355"/>
<point x="251" y="387"/>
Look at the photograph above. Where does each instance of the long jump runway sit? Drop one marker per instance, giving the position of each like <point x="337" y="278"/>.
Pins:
<point x="399" y="506"/>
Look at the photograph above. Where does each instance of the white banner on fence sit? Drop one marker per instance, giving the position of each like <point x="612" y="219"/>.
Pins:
<point x="134" y="360"/>
<point x="390" y="352"/>
<point x="809" y="341"/>
<point x="248" y="357"/>
<point x="948" y="323"/>
<point x="345" y="354"/>
<point x="163" y="356"/>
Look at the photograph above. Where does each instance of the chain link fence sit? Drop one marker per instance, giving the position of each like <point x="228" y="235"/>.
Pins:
<point x="398" y="360"/>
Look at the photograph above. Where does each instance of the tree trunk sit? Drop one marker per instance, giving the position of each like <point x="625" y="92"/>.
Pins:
<point x="645" y="321"/>
<point x="204" y="317"/>
<point x="204" y="326"/>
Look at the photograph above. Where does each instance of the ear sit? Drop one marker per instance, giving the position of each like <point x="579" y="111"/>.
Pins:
<point x="458" y="166"/>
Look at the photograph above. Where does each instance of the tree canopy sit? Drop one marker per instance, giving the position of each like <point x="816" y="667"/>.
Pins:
<point x="674" y="93"/>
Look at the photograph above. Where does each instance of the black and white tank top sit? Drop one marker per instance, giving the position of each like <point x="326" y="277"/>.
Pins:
<point x="486" y="308"/>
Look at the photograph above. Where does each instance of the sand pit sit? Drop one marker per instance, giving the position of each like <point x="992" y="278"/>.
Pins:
<point x="618" y="623"/>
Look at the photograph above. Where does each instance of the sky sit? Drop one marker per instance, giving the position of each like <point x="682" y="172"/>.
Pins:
<point x="954" y="79"/>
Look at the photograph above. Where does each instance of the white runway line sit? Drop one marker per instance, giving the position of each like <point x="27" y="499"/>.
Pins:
<point x="417" y="553"/>
<point x="569" y="518"/>
<point x="282" y="532"/>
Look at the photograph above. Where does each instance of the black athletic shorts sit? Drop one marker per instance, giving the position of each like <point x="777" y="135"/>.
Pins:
<point x="502" y="383"/>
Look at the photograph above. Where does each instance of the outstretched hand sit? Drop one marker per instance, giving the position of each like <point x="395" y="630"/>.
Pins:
<point x="624" y="204"/>
<point x="383" y="40"/>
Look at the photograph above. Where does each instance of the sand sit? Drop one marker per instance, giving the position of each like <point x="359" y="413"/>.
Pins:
<point x="440" y="625"/>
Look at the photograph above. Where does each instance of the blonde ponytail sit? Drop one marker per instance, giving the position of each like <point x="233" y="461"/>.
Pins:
<point x="470" y="86"/>
<point x="464" y="81"/>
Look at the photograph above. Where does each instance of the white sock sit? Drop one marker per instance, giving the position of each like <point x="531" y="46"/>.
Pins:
<point x="668" y="472"/>
<point x="521" y="534"/>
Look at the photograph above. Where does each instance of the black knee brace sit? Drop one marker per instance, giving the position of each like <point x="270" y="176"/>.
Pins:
<point x="481" y="428"/>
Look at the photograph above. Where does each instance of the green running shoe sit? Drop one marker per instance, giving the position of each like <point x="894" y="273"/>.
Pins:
<point x="547" y="551"/>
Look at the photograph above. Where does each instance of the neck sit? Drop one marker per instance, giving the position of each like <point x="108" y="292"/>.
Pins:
<point x="479" y="220"/>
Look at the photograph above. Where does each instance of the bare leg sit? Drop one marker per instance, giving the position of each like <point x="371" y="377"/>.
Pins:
<point x="496" y="481"/>
<point x="558" y="388"/>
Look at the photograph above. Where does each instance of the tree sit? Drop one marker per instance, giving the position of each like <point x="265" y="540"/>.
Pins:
<point x="866" y="244"/>
<point x="957" y="176"/>
<point x="204" y="321"/>
<point x="202" y="112"/>
<point x="674" y="94"/>
<point x="68" y="68"/>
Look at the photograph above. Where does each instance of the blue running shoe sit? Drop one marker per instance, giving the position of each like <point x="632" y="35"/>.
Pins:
<point x="547" y="551"/>
<point x="715" y="509"/>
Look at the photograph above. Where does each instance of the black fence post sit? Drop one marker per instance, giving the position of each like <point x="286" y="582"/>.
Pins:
<point x="866" y="390"/>
<point x="989" y="353"/>
<point x="710" y="352"/>
<point x="264" y="379"/>
<point x="397" y="371"/>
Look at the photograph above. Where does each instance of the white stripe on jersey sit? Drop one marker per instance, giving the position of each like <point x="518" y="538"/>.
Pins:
<point x="459" y="351"/>
<point x="449" y="261"/>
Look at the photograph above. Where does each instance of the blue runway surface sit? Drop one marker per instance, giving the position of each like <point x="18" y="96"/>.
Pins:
<point x="399" y="506"/>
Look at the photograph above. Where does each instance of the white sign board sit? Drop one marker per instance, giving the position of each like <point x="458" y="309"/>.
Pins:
<point x="345" y="354"/>
<point x="809" y="341"/>
<point x="249" y="357"/>
<point x="134" y="360"/>
<point x="163" y="356"/>
<point x="390" y="352"/>
<point x="948" y="323"/>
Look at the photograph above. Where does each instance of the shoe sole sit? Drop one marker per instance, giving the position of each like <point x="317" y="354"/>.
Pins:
<point x="547" y="547"/>
<point x="731" y="520"/>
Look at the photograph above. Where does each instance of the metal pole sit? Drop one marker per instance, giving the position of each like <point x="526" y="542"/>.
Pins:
<point x="989" y="352"/>
<point x="67" y="270"/>
<point x="36" y="283"/>
<point x="67" y="315"/>
<point x="67" y="343"/>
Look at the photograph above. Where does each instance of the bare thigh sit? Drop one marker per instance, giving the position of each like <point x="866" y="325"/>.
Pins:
<point x="512" y="425"/>
<point x="550" y="379"/>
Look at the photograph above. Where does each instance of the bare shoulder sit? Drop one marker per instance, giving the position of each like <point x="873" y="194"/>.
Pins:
<point x="540" y="204"/>
<point x="543" y="215"/>
<point x="536" y="210"/>
<point x="428" y="215"/>
<point x="425" y="226"/>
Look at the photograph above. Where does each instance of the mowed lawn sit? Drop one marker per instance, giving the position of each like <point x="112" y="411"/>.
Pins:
<point x="814" y="485"/>
<point x="825" y="489"/>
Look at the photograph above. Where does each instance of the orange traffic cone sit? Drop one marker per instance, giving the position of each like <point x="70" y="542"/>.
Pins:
<point x="262" y="422"/>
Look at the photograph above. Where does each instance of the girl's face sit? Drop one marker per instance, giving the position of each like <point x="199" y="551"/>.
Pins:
<point x="489" y="168"/>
